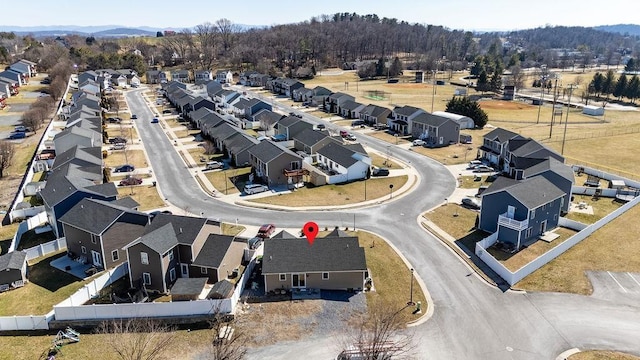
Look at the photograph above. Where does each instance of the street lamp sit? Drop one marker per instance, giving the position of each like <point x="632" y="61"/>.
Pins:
<point x="390" y="191"/>
<point x="566" y="120"/>
<point x="411" y="303"/>
<point x="433" y="95"/>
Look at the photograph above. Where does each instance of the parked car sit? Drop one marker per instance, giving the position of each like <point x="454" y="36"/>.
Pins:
<point x="154" y="213"/>
<point x="166" y="111"/>
<point x="344" y="133"/>
<point x="114" y="120"/>
<point x="212" y="165"/>
<point x="417" y="142"/>
<point x="21" y="128"/>
<point x="134" y="116"/>
<point x="154" y="120"/>
<point x="357" y="122"/>
<point x="483" y="169"/>
<point x="254" y="243"/>
<point x="124" y="168"/>
<point x="320" y="127"/>
<point x="119" y="146"/>
<point x="130" y="180"/>
<point x="380" y="172"/>
<point x="266" y="230"/>
<point x="17" y="135"/>
<point x="255" y="189"/>
<point x="471" y="203"/>
<point x="117" y="139"/>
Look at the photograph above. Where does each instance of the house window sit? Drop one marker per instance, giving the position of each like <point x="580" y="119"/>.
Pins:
<point x="83" y="249"/>
<point x="114" y="255"/>
<point x="528" y="233"/>
<point x="283" y="277"/>
<point x="203" y="270"/>
<point x="171" y="255"/>
<point x="146" y="278"/>
<point x="144" y="258"/>
<point x="172" y="274"/>
<point x="561" y="202"/>
<point x="555" y="217"/>
<point x="544" y="206"/>
<point x="325" y="276"/>
<point x="94" y="239"/>
<point x="533" y="214"/>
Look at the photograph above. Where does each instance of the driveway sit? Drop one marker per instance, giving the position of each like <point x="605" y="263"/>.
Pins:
<point x="471" y="321"/>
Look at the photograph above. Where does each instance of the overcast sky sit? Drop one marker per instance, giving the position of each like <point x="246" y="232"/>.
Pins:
<point x="454" y="14"/>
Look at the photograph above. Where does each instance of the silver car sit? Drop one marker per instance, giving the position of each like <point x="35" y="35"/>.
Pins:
<point x="255" y="189"/>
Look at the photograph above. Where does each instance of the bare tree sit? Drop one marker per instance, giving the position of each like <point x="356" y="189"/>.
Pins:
<point x="228" y="342"/>
<point x="57" y="88"/>
<point x="227" y="31"/>
<point x="181" y="44"/>
<point x="137" y="339"/>
<point x="7" y="150"/>
<point x="379" y="335"/>
<point x="206" y="35"/>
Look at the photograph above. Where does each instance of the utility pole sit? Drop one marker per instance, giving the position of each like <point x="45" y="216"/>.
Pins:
<point x="566" y="120"/>
<point x="543" y="84"/>
<point x="553" y="111"/>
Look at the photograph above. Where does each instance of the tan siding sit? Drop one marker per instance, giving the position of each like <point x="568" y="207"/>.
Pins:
<point x="273" y="282"/>
<point x="337" y="280"/>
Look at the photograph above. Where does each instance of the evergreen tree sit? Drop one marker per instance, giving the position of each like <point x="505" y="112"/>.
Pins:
<point x="477" y="66"/>
<point x="608" y="83"/>
<point x="495" y="83"/>
<point x="396" y="67"/>
<point x="631" y="65"/>
<point x="159" y="34"/>
<point x="466" y="107"/>
<point x="596" y="83"/>
<point x="633" y="89"/>
<point x="380" y="68"/>
<point x="621" y="87"/>
<point x="482" y="84"/>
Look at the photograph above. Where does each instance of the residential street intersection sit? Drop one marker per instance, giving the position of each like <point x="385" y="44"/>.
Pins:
<point x="471" y="319"/>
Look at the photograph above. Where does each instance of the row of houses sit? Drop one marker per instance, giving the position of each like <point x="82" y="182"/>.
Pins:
<point x="532" y="193"/>
<point x="106" y="78"/>
<point x="14" y="76"/>
<point x="436" y="129"/>
<point x="158" y="76"/>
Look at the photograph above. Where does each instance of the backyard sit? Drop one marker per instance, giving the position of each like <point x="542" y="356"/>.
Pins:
<point x="338" y="194"/>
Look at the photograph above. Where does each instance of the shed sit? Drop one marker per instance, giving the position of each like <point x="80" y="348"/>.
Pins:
<point x="465" y="122"/>
<point x="593" y="110"/>
<point x="13" y="270"/>
<point x="616" y="184"/>
<point x="221" y="290"/>
<point x="187" y="289"/>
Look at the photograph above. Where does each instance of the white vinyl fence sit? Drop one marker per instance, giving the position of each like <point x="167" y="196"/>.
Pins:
<point x="31" y="223"/>
<point x="29" y="322"/>
<point x="513" y="277"/>
<point x="93" y="288"/>
<point x="46" y="248"/>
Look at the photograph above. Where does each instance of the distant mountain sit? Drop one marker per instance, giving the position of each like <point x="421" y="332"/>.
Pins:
<point x="99" y="30"/>
<point x="123" y="32"/>
<point x="624" y="29"/>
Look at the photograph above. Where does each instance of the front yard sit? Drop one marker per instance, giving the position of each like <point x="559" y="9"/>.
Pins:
<point x="121" y="157"/>
<point x="340" y="194"/>
<point x="147" y="196"/>
<point x="223" y="180"/>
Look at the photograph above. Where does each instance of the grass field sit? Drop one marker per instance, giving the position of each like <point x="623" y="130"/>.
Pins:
<point x="147" y="196"/>
<point x="133" y="157"/>
<point x="602" y="355"/>
<point x="601" y="208"/>
<point x="221" y="180"/>
<point x="382" y="161"/>
<point x="331" y="195"/>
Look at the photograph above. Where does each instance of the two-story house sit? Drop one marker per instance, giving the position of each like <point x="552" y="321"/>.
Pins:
<point x="401" y="118"/>
<point x="436" y="131"/>
<point x="350" y="109"/>
<point x="341" y="163"/>
<point x="333" y="102"/>
<point x="269" y="162"/>
<point x="494" y="146"/>
<point x="180" y="75"/>
<point x="203" y="76"/>
<point x="224" y="77"/>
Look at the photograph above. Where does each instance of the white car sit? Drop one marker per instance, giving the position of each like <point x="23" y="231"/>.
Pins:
<point x="418" y="142"/>
<point x="255" y="189"/>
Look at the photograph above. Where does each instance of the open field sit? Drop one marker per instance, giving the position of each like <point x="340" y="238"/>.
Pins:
<point x="602" y="355"/>
<point x="133" y="157"/>
<point x="147" y="196"/>
<point x="331" y="195"/>
<point x="608" y="249"/>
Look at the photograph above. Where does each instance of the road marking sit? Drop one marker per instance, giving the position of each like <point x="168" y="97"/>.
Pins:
<point x="616" y="280"/>
<point x="634" y="279"/>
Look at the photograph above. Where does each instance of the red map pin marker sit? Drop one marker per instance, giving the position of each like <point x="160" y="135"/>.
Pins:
<point x="310" y="230"/>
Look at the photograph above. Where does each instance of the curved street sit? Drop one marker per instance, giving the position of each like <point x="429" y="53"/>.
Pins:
<point x="472" y="320"/>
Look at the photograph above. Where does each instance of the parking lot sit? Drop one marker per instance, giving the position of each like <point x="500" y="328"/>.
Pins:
<point x="609" y="283"/>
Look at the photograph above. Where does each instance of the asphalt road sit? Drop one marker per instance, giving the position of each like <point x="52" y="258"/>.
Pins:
<point x="472" y="320"/>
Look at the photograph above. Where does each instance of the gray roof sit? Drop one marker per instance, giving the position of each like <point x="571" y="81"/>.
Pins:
<point x="186" y="227"/>
<point x="95" y="216"/>
<point x="161" y="239"/>
<point x="530" y="148"/>
<point x="200" y="113"/>
<point x="284" y="235"/>
<point x="213" y="251"/>
<point x="126" y="202"/>
<point x="350" y="105"/>
<point x="532" y="192"/>
<point x="338" y="153"/>
<point x="221" y="290"/>
<point x="240" y="142"/>
<point x="288" y="121"/>
<point x="225" y="130"/>
<point x="188" y="286"/>
<point x="267" y="116"/>
<point x="501" y="135"/>
<point x="266" y="151"/>
<point x="551" y="164"/>
<point x="338" y="95"/>
<point x="83" y="156"/>
<point x="325" y="255"/>
<point x="406" y="110"/>
<point x="310" y="137"/>
<point x="430" y="119"/>
<point x="13" y="260"/>
<point x="356" y="147"/>
<point x="60" y="186"/>
<point x="500" y="183"/>
<point x="375" y="110"/>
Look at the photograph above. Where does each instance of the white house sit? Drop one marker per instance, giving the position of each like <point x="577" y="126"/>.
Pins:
<point x="465" y="122"/>
<point x="224" y="77"/>
<point x="342" y="164"/>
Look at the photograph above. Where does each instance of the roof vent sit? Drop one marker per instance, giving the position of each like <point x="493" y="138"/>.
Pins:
<point x="81" y="206"/>
<point x="270" y="257"/>
<point x="180" y="230"/>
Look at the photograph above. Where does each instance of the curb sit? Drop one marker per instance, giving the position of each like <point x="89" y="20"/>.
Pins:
<point x="565" y="355"/>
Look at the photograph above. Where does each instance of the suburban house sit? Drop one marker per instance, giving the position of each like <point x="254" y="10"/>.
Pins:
<point x="288" y="127"/>
<point x="520" y="211"/>
<point x="5" y="89"/>
<point x="14" y="86"/>
<point x="465" y="122"/>
<point x="156" y="77"/>
<point x="14" y="76"/>
<point x="117" y="79"/>
<point x="245" y="77"/>
<point x="494" y="146"/>
<point x="13" y="270"/>
<point x="333" y="102"/>
<point x="131" y="76"/>
<point x="332" y="263"/>
<point x="222" y="132"/>
<point x="269" y="162"/>
<point x="209" y="123"/>
<point x="247" y="108"/>
<point x="436" y="131"/>
<point x="286" y="86"/>
<point x="238" y="146"/>
<point x="90" y="87"/>
<point x="258" y="79"/>
<point x="180" y="75"/>
<point x="25" y="67"/>
<point x="309" y="140"/>
<point x="401" y="117"/>
<point x="340" y="163"/>
<point x="298" y="93"/>
<point x="97" y="230"/>
<point x="197" y="103"/>
<point x="76" y="136"/>
<point x="224" y="77"/>
<point x="213" y="88"/>
<point x="522" y="152"/>
<point x="203" y="76"/>
<point x="374" y="114"/>
<point x="351" y="109"/>
<point x="226" y="98"/>
<point x="195" y="115"/>
<point x="267" y="120"/>
<point x="88" y="76"/>
<point x="175" y="246"/>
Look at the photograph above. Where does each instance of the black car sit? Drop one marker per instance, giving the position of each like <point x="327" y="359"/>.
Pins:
<point x="124" y="168"/>
<point x="114" y="120"/>
<point x="134" y="116"/>
<point x="380" y="172"/>
<point x="166" y="111"/>
<point x="320" y="126"/>
<point x="117" y="139"/>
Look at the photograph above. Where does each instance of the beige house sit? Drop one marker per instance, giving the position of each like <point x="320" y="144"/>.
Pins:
<point x="334" y="262"/>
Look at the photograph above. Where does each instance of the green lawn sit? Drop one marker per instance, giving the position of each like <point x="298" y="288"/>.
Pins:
<point x="339" y="194"/>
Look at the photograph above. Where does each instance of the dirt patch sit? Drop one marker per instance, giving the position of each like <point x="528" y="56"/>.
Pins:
<point x="504" y="105"/>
